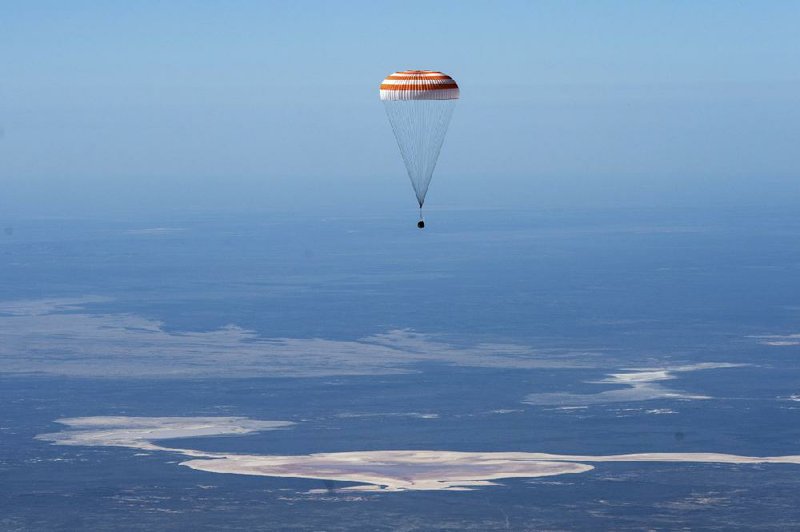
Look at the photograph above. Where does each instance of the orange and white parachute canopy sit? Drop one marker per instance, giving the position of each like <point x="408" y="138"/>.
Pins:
<point x="419" y="85"/>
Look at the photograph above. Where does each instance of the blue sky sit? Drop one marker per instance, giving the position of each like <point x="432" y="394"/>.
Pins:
<point x="245" y="104"/>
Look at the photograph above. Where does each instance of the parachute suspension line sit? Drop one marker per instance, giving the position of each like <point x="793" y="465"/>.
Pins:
<point x="419" y="127"/>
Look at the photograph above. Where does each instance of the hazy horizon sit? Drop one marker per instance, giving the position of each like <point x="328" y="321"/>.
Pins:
<point x="260" y="104"/>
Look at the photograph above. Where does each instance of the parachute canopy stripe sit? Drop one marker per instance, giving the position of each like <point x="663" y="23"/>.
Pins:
<point x="414" y="76"/>
<point x="419" y="85"/>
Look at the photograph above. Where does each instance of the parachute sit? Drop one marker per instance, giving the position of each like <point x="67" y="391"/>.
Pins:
<point x="419" y="104"/>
